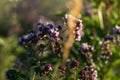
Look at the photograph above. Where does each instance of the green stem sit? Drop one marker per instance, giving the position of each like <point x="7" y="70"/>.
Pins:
<point x="75" y="74"/>
<point x="34" y="76"/>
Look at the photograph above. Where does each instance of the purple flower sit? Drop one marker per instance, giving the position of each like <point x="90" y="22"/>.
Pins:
<point x="50" y="30"/>
<point x="116" y="29"/>
<point x="62" y="69"/>
<point x="47" y="68"/>
<point x="30" y="37"/>
<point x="84" y="48"/>
<point x="88" y="73"/>
<point x="74" y="64"/>
<point x="109" y="38"/>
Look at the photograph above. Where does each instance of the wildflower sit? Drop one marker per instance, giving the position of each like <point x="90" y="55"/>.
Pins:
<point x="57" y="48"/>
<point x="116" y="29"/>
<point x="78" y="27"/>
<point x="106" y="53"/>
<point x="109" y="38"/>
<point x="49" y="29"/>
<point x="62" y="69"/>
<point x="46" y="70"/>
<point x="88" y="73"/>
<point x="84" y="48"/>
<point x="30" y="37"/>
<point x="48" y="67"/>
<point x="74" y="64"/>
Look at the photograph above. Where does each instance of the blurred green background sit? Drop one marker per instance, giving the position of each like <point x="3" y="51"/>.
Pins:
<point x="18" y="16"/>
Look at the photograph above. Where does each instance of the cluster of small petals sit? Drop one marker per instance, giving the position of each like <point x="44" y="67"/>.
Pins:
<point x="78" y="30"/>
<point x="116" y="29"/>
<point x="88" y="73"/>
<point x="109" y="38"/>
<point x="86" y="48"/>
<point x="57" y="48"/>
<point x="62" y="69"/>
<point x="49" y="29"/>
<point x="74" y="64"/>
<point x="105" y="45"/>
<point x="106" y="53"/>
<point x="47" y="68"/>
<point x="30" y="37"/>
<point x="78" y="27"/>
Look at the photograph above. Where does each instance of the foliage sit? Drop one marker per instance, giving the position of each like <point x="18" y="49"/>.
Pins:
<point x="9" y="49"/>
